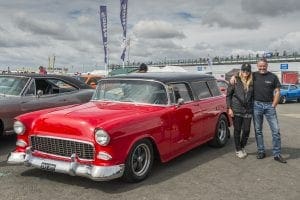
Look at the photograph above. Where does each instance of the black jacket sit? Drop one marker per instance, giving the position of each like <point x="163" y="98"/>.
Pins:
<point x="239" y="100"/>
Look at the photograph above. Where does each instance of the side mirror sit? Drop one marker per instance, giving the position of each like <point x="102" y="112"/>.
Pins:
<point x="180" y="101"/>
<point x="40" y="93"/>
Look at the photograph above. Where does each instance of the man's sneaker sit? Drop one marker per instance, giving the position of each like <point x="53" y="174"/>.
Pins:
<point x="244" y="152"/>
<point x="260" y="155"/>
<point x="280" y="159"/>
<point x="240" y="154"/>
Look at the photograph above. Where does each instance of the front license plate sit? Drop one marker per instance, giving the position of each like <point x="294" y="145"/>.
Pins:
<point x="48" y="166"/>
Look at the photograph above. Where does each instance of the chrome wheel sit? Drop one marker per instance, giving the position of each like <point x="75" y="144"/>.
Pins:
<point x="222" y="133"/>
<point x="282" y="99"/>
<point x="140" y="160"/>
<point x="222" y="130"/>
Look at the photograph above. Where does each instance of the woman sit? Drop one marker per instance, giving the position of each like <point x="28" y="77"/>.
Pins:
<point x="239" y="100"/>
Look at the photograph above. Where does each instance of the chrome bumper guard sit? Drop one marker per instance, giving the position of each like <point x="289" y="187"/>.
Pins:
<point x="73" y="168"/>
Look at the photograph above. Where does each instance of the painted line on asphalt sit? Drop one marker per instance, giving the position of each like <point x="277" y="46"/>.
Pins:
<point x="292" y="115"/>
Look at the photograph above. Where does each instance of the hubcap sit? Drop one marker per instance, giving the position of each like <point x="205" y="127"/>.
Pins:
<point x="222" y="130"/>
<point x="140" y="159"/>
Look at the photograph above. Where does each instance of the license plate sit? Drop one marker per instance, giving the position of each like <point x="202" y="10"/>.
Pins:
<point x="48" y="166"/>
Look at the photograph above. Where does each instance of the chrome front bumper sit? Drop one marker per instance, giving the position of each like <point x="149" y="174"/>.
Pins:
<point x="73" y="168"/>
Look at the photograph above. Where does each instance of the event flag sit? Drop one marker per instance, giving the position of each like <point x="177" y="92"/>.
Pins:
<point x="123" y="17"/>
<point x="103" y="22"/>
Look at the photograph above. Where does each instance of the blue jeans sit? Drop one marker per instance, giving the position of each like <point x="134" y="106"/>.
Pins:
<point x="266" y="109"/>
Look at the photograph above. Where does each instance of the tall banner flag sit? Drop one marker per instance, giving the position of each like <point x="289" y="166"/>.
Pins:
<point x="123" y="17"/>
<point x="103" y="22"/>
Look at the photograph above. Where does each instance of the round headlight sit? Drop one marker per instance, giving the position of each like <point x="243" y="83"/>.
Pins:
<point x="19" y="127"/>
<point x="101" y="137"/>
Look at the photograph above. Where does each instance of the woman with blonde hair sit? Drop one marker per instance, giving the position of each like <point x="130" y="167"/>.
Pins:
<point x="239" y="101"/>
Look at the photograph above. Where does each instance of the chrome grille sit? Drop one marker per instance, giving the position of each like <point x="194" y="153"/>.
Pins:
<point x="62" y="147"/>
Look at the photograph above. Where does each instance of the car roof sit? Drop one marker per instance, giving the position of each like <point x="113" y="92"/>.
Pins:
<point x="166" y="77"/>
<point x="69" y="79"/>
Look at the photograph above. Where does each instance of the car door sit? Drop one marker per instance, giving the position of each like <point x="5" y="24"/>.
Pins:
<point x="183" y="117"/>
<point x="292" y="92"/>
<point x="203" y="126"/>
<point x="55" y="92"/>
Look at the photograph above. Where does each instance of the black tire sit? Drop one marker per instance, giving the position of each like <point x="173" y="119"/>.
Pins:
<point x="139" y="162"/>
<point x="1" y="128"/>
<point x="282" y="99"/>
<point x="221" y="133"/>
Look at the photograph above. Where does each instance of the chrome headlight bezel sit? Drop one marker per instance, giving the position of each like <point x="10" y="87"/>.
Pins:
<point x="102" y="137"/>
<point x="19" y="128"/>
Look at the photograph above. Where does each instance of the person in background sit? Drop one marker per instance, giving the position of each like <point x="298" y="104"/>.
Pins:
<point x="143" y="68"/>
<point x="42" y="70"/>
<point x="266" y="87"/>
<point x="239" y="101"/>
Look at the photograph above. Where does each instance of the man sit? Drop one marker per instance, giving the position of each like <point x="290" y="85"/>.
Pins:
<point x="42" y="70"/>
<point x="266" y="97"/>
<point x="143" y="68"/>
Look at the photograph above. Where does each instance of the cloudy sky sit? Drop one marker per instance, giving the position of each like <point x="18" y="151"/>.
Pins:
<point x="33" y="30"/>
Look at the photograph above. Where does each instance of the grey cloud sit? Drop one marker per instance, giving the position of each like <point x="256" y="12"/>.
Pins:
<point x="236" y="22"/>
<point x="270" y="7"/>
<point x="44" y="27"/>
<point x="157" y="30"/>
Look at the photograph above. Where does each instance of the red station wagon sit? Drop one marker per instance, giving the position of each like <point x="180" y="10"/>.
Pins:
<point x="130" y="120"/>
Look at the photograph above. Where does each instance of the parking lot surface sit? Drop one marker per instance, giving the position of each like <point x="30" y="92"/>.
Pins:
<point x="203" y="173"/>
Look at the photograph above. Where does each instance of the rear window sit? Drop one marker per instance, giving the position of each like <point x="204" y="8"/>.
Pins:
<point x="214" y="88"/>
<point x="201" y="89"/>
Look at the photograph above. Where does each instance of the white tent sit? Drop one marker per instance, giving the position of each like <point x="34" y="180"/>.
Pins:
<point x="167" y="68"/>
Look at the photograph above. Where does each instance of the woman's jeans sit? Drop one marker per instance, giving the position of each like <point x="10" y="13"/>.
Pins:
<point x="240" y="123"/>
<point x="266" y="109"/>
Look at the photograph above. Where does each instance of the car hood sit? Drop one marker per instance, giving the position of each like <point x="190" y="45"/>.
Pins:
<point x="79" y="122"/>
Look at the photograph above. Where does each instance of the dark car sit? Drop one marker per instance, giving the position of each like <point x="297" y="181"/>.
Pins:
<point x="21" y="93"/>
<point x="131" y="121"/>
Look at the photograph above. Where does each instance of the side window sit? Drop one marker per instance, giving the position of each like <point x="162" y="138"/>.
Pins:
<point x="53" y="86"/>
<point x="60" y="86"/>
<point x="31" y="89"/>
<point x="214" y="88"/>
<point x="293" y="87"/>
<point x="181" y="91"/>
<point x="201" y="89"/>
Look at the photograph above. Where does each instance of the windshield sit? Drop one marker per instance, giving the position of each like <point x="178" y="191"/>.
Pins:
<point x="284" y="87"/>
<point x="10" y="85"/>
<point x="137" y="91"/>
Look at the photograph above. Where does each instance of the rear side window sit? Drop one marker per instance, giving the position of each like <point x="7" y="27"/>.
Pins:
<point x="181" y="91"/>
<point x="214" y="88"/>
<point x="201" y="89"/>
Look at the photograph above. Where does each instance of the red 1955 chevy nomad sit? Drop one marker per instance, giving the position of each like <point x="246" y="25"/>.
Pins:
<point x="130" y="120"/>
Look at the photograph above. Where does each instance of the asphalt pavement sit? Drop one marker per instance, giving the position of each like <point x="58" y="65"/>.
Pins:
<point x="203" y="173"/>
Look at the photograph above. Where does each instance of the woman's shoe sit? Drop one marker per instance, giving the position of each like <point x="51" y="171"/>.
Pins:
<point x="240" y="154"/>
<point x="244" y="152"/>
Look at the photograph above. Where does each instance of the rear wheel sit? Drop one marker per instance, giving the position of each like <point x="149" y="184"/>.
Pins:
<point x="139" y="162"/>
<point x="221" y="134"/>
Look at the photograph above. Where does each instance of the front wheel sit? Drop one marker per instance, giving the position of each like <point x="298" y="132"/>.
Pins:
<point x="282" y="99"/>
<point x="221" y="134"/>
<point x="139" y="162"/>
